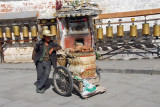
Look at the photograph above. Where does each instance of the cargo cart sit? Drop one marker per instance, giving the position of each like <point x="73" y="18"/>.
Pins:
<point x="78" y="71"/>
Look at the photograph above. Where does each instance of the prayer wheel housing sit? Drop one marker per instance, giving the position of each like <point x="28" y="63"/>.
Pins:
<point x="1" y="33"/>
<point x="133" y="31"/>
<point x="156" y="30"/>
<point x="8" y="33"/>
<point x="16" y="30"/>
<point x="100" y="33"/>
<point x="45" y="28"/>
<point x="34" y="31"/>
<point x="120" y="31"/>
<point x="146" y="30"/>
<point x="25" y="32"/>
<point x="109" y="32"/>
<point x="53" y="30"/>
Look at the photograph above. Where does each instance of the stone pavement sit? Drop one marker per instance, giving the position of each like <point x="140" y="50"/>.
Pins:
<point x="123" y="90"/>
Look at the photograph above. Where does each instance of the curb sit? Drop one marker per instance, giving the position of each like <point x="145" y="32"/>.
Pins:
<point x="124" y="71"/>
<point x="130" y="71"/>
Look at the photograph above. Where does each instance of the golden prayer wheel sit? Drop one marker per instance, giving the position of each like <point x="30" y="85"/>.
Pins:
<point x="8" y="33"/>
<point x="156" y="30"/>
<point x="120" y="31"/>
<point x="109" y="32"/>
<point x="1" y="33"/>
<point x="45" y="28"/>
<point x="133" y="31"/>
<point x="16" y="31"/>
<point x="146" y="30"/>
<point x="52" y="20"/>
<point x="25" y="32"/>
<point x="33" y="31"/>
<point x="100" y="33"/>
<point x="53" y="29"/>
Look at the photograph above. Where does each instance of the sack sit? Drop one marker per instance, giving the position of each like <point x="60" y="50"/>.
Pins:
<point x="87" y="87"/>
<point x="83" y="60"/>
<point x="84" y="71"/>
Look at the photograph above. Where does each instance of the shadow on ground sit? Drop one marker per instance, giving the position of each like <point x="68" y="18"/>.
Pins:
<point x="50" y="84"/>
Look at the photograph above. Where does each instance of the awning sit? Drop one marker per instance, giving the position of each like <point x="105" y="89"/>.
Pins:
<point x="18" y="15"/>
<point x="85" y="10"/>
<point x="46" y="14"/>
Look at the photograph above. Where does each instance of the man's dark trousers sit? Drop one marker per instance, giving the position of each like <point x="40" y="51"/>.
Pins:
<point x="43" y="71"/>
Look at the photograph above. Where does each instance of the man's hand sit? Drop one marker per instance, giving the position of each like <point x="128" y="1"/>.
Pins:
<point x="50" y="51"/>
<point x="54" y="49"/>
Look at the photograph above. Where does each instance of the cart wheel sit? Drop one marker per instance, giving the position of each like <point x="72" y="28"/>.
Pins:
<point x="98" y="72"/>
<point x="63" y="81"/>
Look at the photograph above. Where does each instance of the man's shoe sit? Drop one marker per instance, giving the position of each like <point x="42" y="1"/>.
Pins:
<point x="40" y="90"/>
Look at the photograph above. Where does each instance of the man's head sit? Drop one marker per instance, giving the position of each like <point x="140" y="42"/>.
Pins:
<point x="47" y="35"/>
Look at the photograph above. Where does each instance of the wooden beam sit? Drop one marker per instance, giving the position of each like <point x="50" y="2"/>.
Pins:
<point x="129" y="14"/>
<point x="127" y="21"/>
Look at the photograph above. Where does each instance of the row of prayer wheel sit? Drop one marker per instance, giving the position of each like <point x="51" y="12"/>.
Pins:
<point x="133" y="31"/>
<point x="16" y="32"/>
<point x="25" y="31"/>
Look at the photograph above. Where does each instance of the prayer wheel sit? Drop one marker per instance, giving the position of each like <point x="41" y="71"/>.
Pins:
<point x="45" y="28"/>
<point x="146" y="30"/>
<point x="159" y="30"/>
<point x="109" y="32"/>
<point x="53" y="30"/>
<point x="156" y="30"/>
<point x="8" y="33"/>
<point x="1" y="33"/>
<point x="133" y="31"/>
<point x="52" y="20"/>
<point x="25" y="32"/>
<point x="100" y="33"/>
<point x="34" y="31"/>
<point x="16" y="31"/>
<point x="120" y="31"/>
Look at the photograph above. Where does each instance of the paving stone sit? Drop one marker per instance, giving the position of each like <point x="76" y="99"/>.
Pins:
<point x="3" y="101"/>
<point x="45" y="104"/>
<point x="18" y="103"/>
<point x="142" y="103"/>
<point x="62" y="100"/>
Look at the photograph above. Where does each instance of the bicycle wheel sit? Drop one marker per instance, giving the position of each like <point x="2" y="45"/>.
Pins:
<point x="63" y="81"/>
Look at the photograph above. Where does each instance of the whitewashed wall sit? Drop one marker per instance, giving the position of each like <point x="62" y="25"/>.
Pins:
<point x="110" y="6"/>
<point x="31" y="5"/>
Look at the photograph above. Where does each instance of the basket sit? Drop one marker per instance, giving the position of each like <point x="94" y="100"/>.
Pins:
<point x="61" y="61"/>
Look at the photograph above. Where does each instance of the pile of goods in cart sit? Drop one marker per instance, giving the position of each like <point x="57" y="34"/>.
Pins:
<point x="80" y="48"/>
<point x="81" y="63"/>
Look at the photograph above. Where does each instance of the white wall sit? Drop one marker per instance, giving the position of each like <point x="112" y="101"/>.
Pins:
<point x="110" y="6"/>
<point x="31" y="5"/>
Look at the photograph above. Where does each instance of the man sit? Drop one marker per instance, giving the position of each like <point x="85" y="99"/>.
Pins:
<point x="44" y="55"/>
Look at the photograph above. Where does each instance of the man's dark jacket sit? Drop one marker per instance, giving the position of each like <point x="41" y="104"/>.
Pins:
<point x="39" y="48"/>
